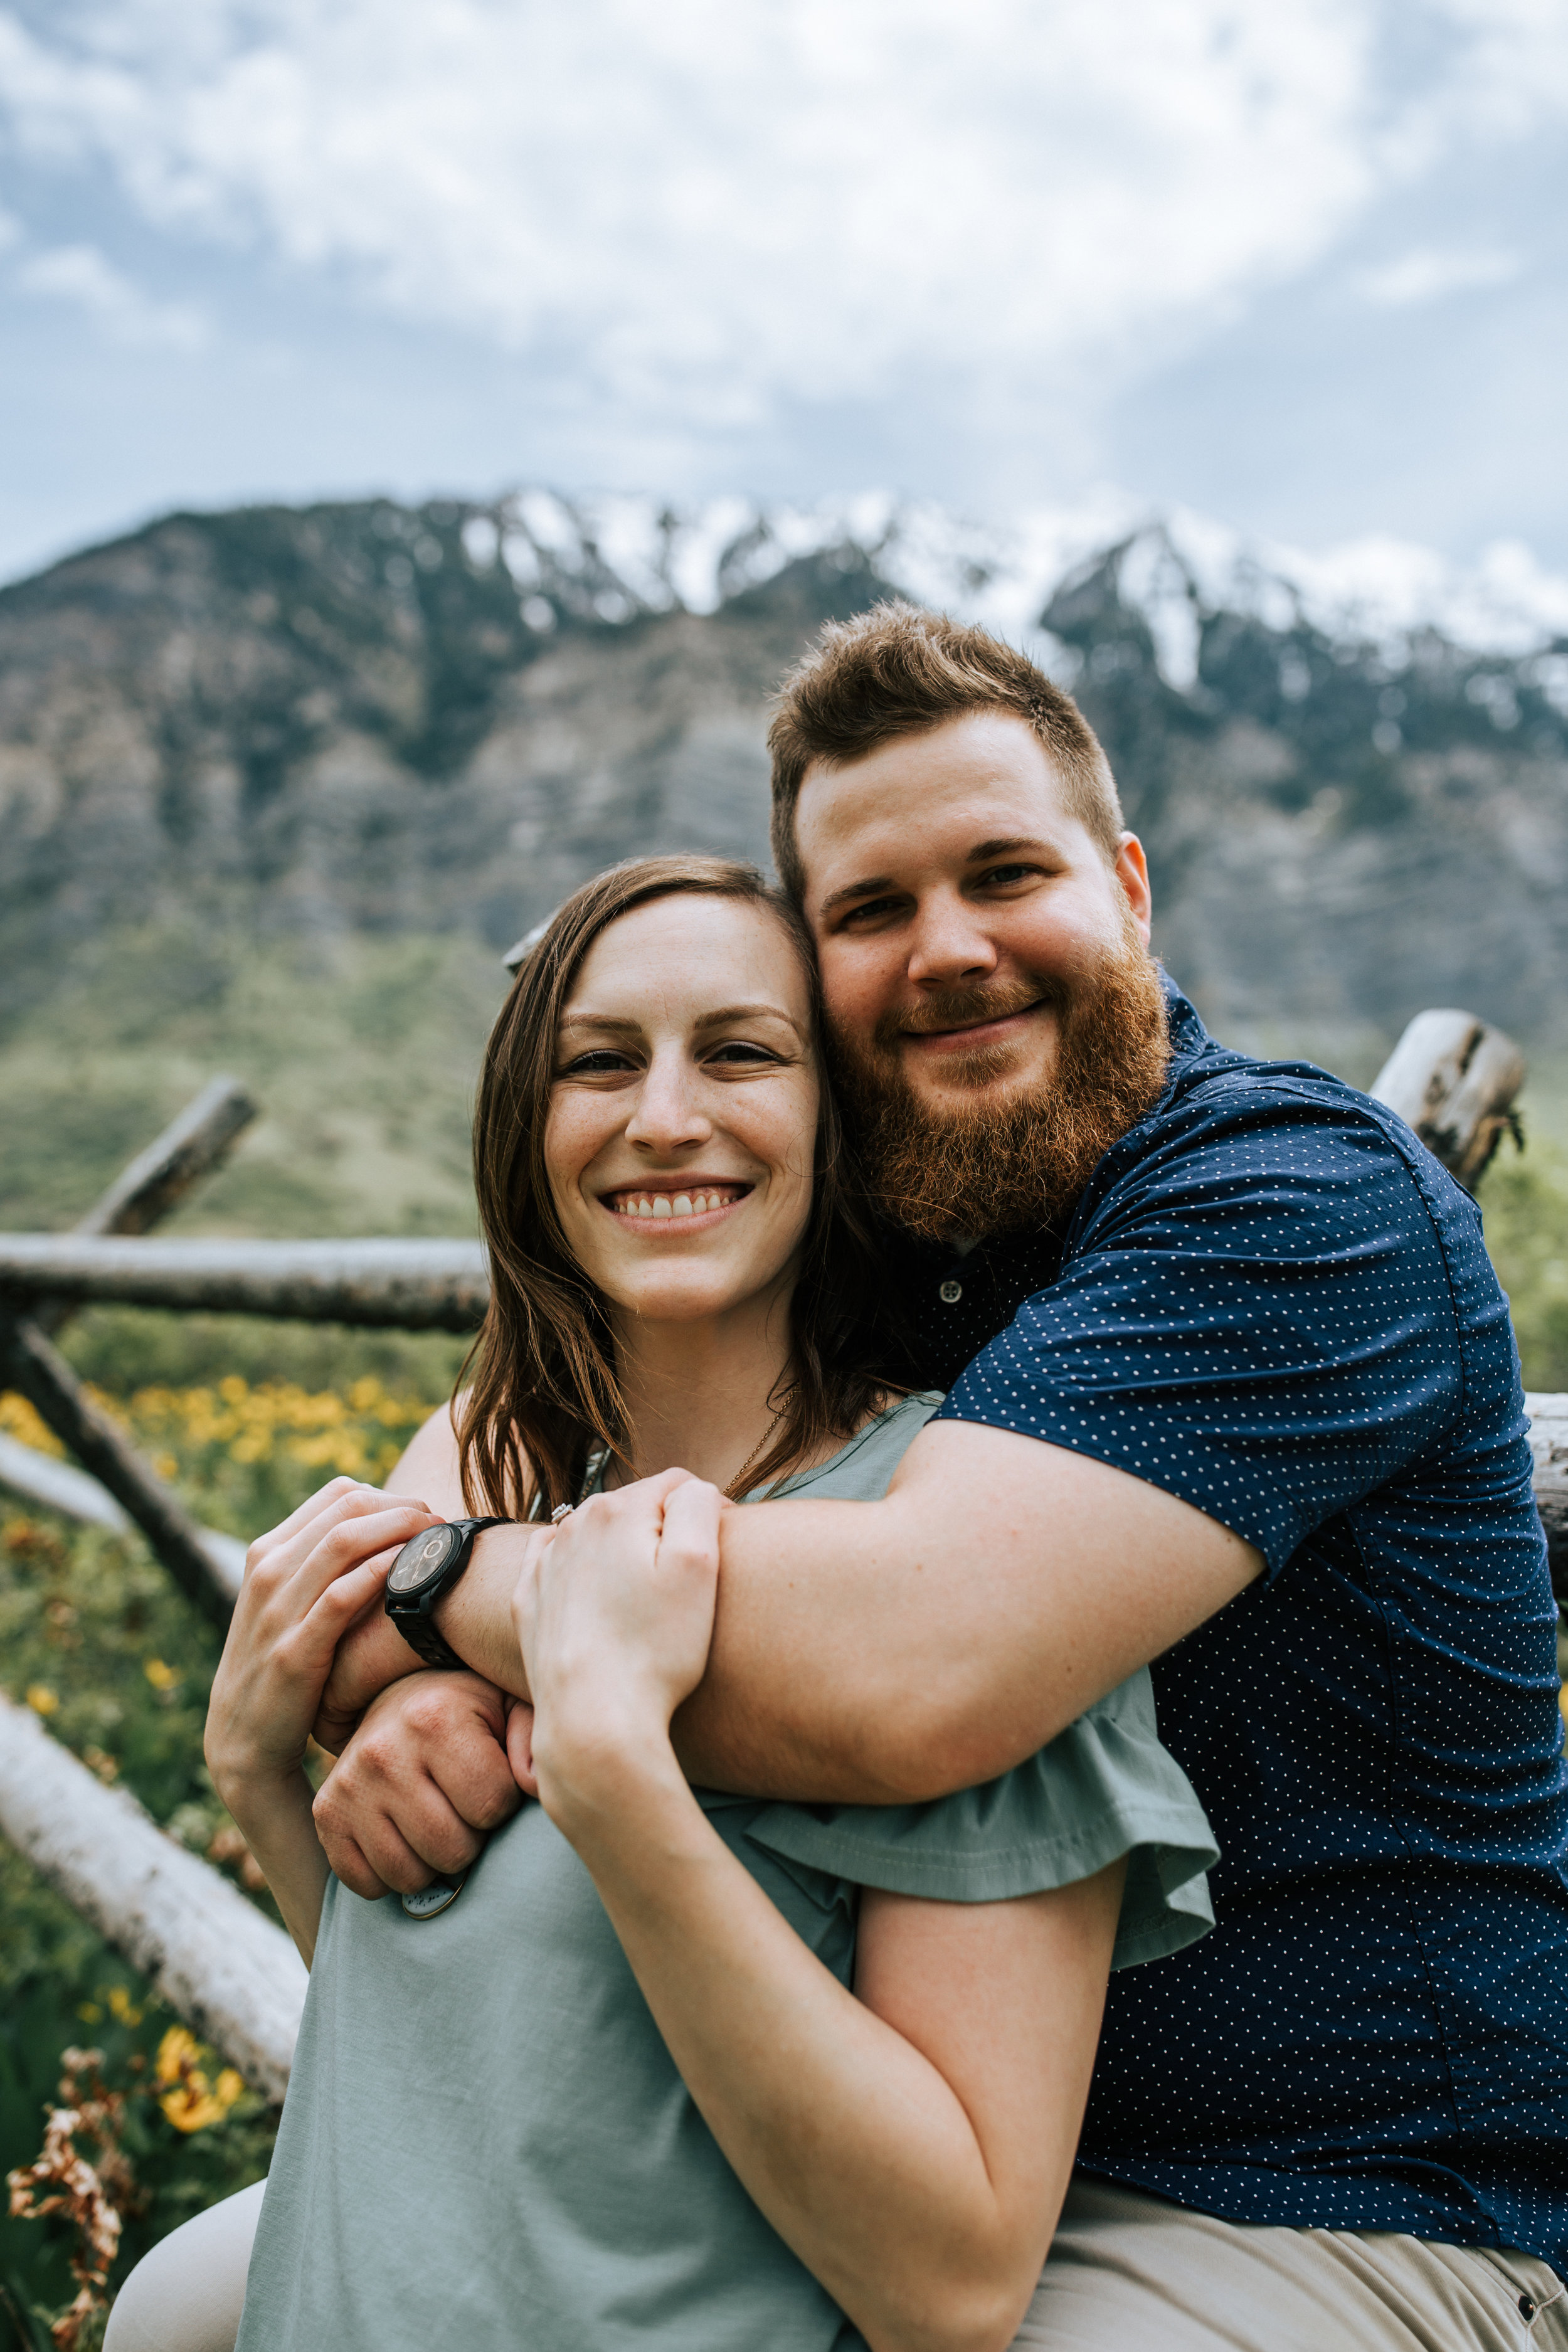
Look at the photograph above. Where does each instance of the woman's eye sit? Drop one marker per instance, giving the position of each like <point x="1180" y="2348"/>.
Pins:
<point x="606" y="1063"/>
<point x="740" y="1051"/>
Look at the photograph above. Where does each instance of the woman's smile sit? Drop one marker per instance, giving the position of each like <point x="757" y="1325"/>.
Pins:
<point x="687" y="1200"/>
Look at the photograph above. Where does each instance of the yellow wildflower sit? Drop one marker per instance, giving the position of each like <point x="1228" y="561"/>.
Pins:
<point x="177" y="2052"/>
<point x="124" y="2009"/>
<point x="22" y="1421"/>
<point x="42" y="1700"/>
<point x="195" y="2105"/>
<point x="191" y="2107"/>
<point x="161" y="1677"/>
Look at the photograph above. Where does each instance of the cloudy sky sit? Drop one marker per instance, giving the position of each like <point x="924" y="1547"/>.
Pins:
<point x="1301" y="266"/>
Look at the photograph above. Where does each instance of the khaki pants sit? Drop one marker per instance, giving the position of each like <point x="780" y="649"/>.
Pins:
<point x="1127" y="2273"/>
<point x="1132" y="2273"/>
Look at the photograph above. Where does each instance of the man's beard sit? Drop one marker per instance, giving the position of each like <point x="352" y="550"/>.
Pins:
<point x="1021" y="1162"/>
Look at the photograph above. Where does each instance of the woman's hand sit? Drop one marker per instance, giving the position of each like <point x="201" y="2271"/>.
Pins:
<point x="305" y="1584"/>
<point x="614" y="1618"/>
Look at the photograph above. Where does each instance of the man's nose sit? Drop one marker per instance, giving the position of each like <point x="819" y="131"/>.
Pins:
<point x="669" y="1112"/>
<point x="951" y="943"/>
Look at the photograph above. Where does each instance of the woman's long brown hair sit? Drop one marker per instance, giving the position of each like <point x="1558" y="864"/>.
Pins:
<point x="543" y="1388"/>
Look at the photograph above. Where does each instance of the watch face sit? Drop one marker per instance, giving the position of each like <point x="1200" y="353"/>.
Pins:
<point x="422" y="1558"/>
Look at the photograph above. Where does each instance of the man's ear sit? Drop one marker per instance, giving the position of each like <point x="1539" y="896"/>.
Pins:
<point x="1132" y="870"/>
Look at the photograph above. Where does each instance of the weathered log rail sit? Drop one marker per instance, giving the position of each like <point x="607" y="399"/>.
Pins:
<point x="436" y="1286"/>
<point x="1453" y="1078"/>
<point x="234" y="1977"/>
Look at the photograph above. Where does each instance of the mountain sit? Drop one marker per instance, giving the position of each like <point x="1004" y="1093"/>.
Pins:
<point x="308" y="725"/>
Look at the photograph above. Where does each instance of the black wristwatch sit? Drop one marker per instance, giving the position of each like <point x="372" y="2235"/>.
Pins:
<point x="424" y="1572"/>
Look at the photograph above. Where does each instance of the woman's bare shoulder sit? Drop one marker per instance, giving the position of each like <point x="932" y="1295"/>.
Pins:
<point x="428" y="1466"/>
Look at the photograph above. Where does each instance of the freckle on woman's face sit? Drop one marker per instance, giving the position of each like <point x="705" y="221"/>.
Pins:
<point x="681" y="1134"/>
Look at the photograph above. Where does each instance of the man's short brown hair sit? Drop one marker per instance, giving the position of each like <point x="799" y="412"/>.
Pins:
<point x="895" y="670"/>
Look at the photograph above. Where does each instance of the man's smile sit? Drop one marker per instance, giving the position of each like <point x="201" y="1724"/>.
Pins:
<point x="968" y="1037"/>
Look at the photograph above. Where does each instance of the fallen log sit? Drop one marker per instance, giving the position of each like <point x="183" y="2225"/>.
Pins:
<point x="1548" y="1412"/>
<point x="206" y="1567"/>
<point x="234" y="1977"/>
<point x="1453" y="1078"/>
<point x="39" y="1478"/>
<point x="436" y="1286"/>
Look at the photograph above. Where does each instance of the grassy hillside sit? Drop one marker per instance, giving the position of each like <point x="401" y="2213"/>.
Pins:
<point x="360" y="1050"/>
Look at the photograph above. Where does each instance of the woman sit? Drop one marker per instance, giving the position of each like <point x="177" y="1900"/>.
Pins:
<point x="618" y="2089"/>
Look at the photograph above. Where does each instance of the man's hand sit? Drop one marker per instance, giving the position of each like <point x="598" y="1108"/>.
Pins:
<point x="372" y="1654"/>
<point x="420" y="1785"/>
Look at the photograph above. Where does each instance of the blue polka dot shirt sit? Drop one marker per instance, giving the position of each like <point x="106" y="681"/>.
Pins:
<point x="1273" y="1302"/>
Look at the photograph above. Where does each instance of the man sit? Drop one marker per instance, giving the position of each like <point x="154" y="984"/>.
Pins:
<point x="1232" y="1389"/>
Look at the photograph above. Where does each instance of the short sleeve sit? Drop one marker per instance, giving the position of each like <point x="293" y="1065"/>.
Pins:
<point x="1255" y="1312"/>
<point x="1105" y="1788"/>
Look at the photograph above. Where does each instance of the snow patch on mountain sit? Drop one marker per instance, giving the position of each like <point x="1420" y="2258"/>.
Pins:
<point x="610" y="557"/>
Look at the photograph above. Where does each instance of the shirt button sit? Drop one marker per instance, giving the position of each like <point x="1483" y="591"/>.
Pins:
<point x="1527" y="2307"/>
<point x="951" y="1293"/>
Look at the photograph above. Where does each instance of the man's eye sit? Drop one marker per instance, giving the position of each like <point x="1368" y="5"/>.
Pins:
<point x="1004" y="874"/>
<point x="871" y="910"/>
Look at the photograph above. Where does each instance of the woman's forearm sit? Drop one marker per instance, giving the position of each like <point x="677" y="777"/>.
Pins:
<point x="276" y="1818"/>
<point x="851" y="2140"/>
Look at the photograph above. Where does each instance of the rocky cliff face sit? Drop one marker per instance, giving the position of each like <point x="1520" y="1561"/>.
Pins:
<point x="367" y="716"/>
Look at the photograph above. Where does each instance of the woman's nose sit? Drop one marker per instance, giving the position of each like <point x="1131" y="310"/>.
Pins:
<point x="669" y="1112"/>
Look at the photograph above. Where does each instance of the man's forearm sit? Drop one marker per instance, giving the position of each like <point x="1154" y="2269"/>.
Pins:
<point x="889" y="1652"/>
<point x="892" y="1651"/>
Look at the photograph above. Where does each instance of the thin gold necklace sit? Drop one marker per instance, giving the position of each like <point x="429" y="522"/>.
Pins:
<point x="737" y="1483"/>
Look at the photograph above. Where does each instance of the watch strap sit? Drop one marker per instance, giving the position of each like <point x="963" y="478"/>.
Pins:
<point x="428" y="1645"/>
<point x="414" y="1618"/>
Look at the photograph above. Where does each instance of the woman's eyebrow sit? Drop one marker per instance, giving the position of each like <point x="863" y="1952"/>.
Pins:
<point x="704" y="1020"/>
<point x="749" y="1012"/>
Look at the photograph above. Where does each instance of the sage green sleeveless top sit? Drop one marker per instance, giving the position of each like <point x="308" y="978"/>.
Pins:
<point x="486" y="2142"/>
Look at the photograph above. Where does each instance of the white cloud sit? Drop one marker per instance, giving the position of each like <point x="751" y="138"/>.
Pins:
<point x="81" y="275"/>
<point x="1429" y="274"/>
<point x="703" y="211"/>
